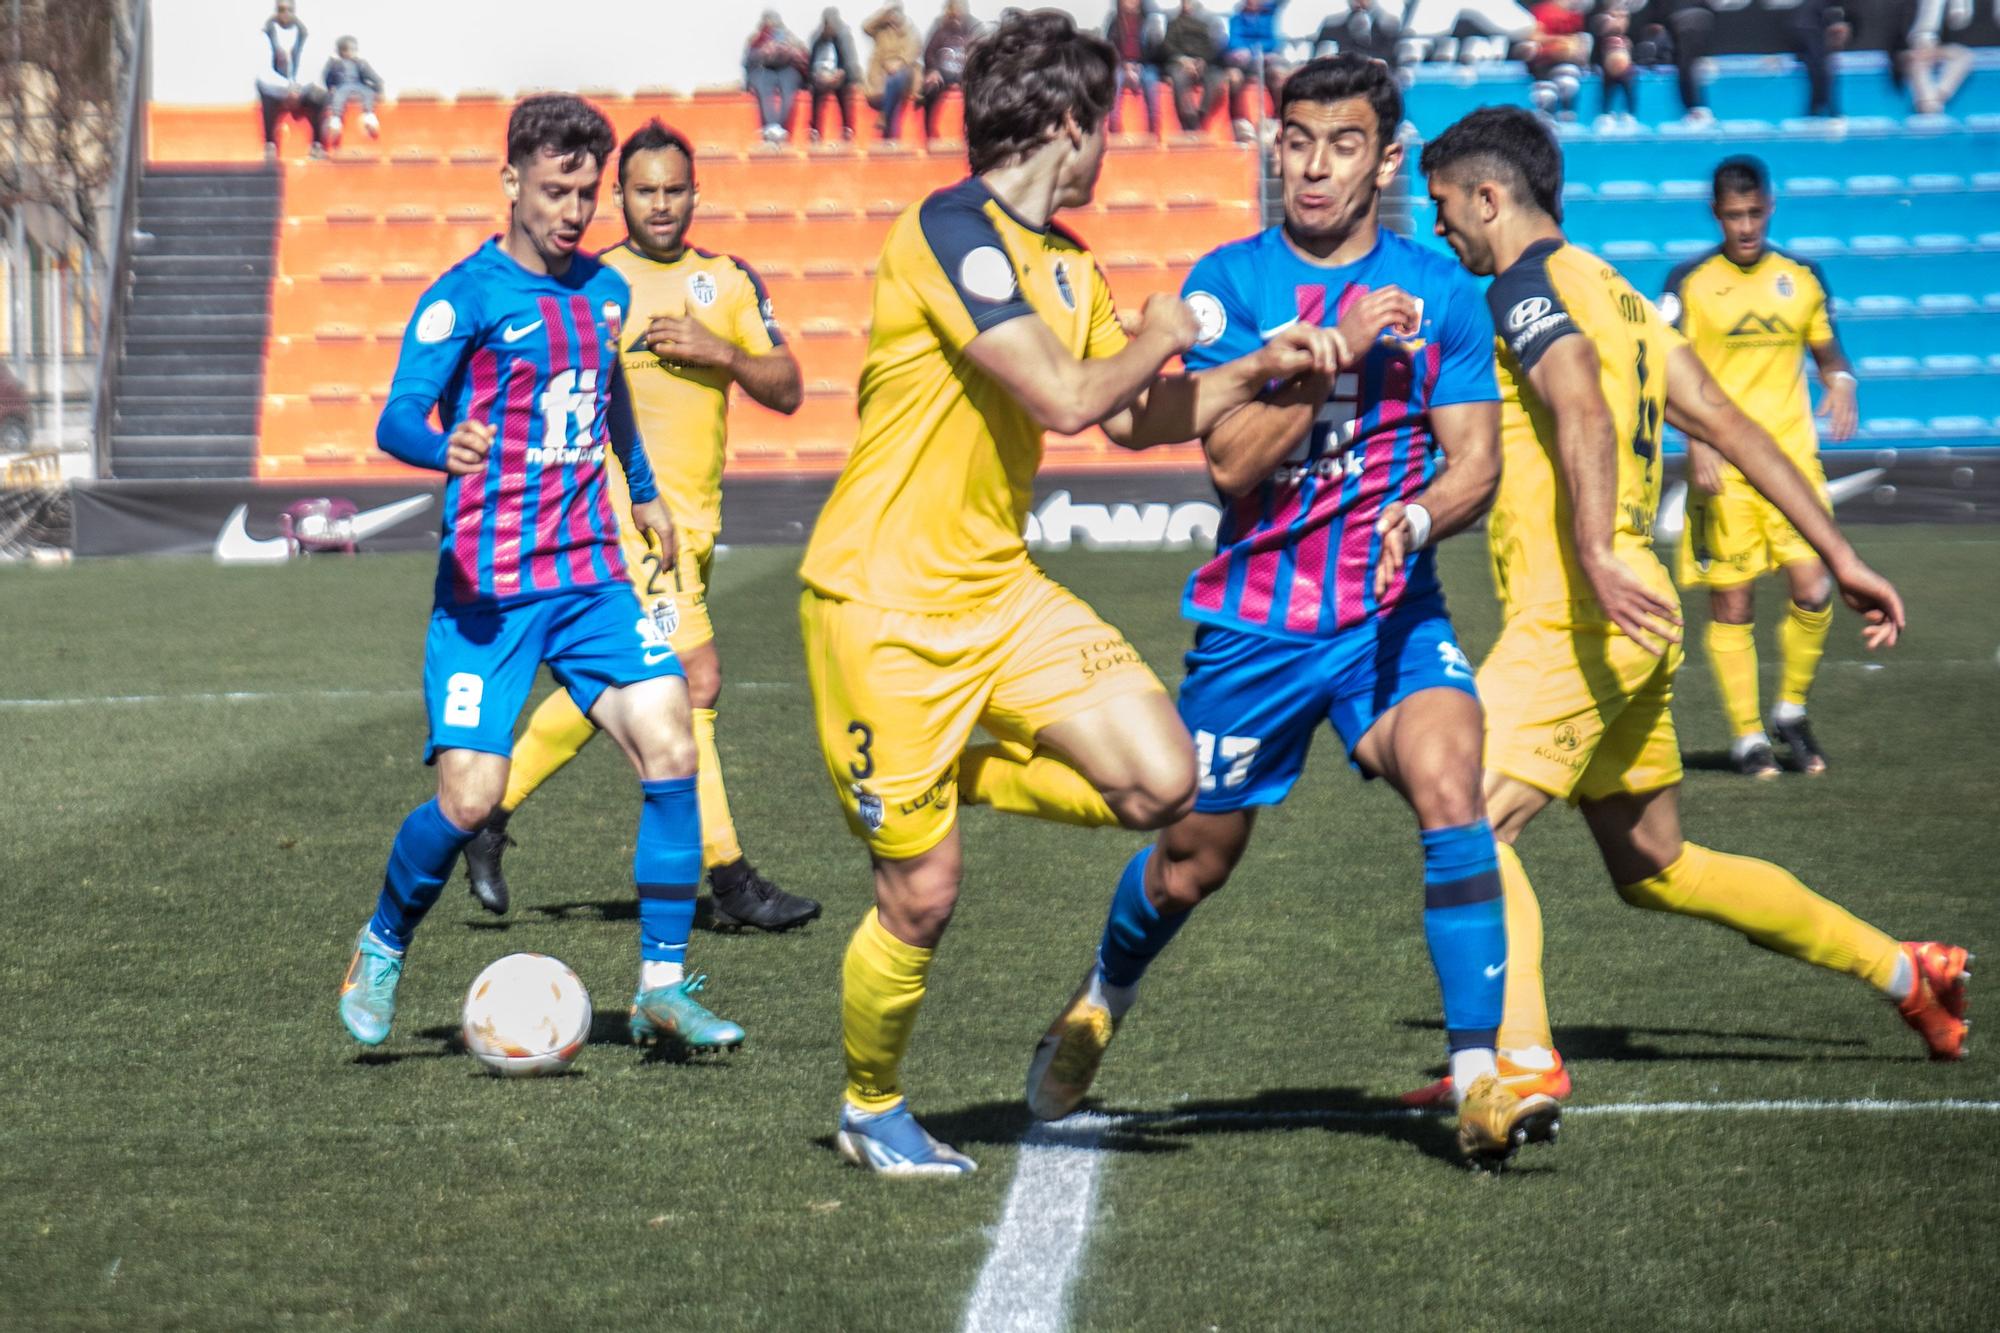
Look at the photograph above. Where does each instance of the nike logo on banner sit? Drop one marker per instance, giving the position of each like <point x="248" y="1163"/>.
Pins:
<point x="235" y="546"/>
<point x="1495" y="970"/>
<point x="514" y="335"/>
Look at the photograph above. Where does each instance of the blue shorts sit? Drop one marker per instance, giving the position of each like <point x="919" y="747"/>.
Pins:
<point x="480" y="660"/>
<point x="1254" y="700"/>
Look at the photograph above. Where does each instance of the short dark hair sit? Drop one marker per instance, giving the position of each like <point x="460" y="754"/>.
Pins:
<point x="651" y="138"/>
<point x="560" y="125"/>
<point x="1337" y="78"/>
<point x="1024" y="77"/>
<point x="1508" y="144"/>
<point x="1742" y="174"/>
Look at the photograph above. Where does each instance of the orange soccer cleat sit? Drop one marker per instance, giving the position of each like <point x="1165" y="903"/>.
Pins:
<point x="1521" y="1081"/>
<point x="1936" y="1008"/>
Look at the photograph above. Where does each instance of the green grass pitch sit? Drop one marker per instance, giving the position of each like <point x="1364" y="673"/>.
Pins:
<point x="188" y="1139"/>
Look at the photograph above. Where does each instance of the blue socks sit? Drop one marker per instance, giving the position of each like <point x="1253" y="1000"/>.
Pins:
<point x="667" y="868"/>
<point x="420" y="861"/>
<point x="1465" y="924"/>
<point x="1135" y="931"/>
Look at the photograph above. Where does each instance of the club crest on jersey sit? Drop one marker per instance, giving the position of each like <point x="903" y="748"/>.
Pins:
<point x="1785" y="287"/>
<point x="701" y="288"/>
<point x="1410" y="338"/>
<point x="614" y="322"/>
<point x="1063" y="289"/>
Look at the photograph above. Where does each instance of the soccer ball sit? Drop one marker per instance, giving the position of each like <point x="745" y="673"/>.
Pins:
<point x="527" y="1014"/>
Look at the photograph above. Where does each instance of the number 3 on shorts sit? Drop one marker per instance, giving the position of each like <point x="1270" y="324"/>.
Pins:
<point x="863" y="766"/>
<point x="461" y="699"/>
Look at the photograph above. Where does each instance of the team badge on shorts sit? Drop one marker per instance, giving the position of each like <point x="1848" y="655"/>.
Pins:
<point x="666" y="614"/>
<point x="869" y="805"/>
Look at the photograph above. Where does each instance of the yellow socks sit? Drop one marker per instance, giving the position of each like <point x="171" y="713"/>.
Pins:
<point x="1525" y="1018"/>
<point x="1012" y="778"/>
<point x="882" y="984"/>
<point x="718" y="831"/>
<point x="1770" y="907"/>
<point x="1802" y="640"/>
<point x="1732" y="652"/>
<point x="555" y="733"/>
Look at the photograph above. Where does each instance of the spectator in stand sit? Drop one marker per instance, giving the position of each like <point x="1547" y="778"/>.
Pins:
<point x="774" y="69"/>
<point x="892" y="67"/>
<point x="1691" y="25"/>
<point x="1932" y="70"/>
<point x="279" y="92"/>
<point x="1135" y="36"/>
<point x="1254" y="43"/>
<point x="1611" y="52"/>
<point x="834" y="72"/>
<point x="1191" y="56"/>
<point x="1556" y="55"/>
<point x="1366" y="29"/>
<point x="1438" y="21"/>
<point x="944" y="60"/>
<point x="349" y="78"/>
<point x="1819" y="28"/>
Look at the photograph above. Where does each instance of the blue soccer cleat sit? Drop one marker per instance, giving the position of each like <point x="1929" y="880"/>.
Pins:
<point x="673" y="1012"/>
<point x="892" y="1143"/>
<point x="368" y="992"/>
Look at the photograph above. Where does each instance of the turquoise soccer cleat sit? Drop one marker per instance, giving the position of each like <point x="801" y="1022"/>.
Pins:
<point x="368" y="992"/>
<point x="673" y="1012"/>
<point x="892" y="1143"/>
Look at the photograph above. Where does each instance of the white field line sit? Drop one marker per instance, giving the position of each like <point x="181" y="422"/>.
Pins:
<point x="1044" y="1229"/>
<point x="265" y="696"/>
<point x="1045" y="1226"/>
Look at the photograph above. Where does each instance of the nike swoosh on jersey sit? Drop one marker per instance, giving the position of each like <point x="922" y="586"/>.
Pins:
<point x="511" y="334"/>
<point x="1275" y="330"/>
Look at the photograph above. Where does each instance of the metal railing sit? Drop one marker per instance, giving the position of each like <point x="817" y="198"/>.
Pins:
<point x="114" y="276"/>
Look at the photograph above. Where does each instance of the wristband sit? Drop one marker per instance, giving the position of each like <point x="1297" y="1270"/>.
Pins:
<point x="1839" y="375"/>
<point x="1419" y="519"/>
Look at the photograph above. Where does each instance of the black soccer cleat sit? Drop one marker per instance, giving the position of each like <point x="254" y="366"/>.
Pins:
<point x="1797" y="736"/>
<point x="1757" y="761"/>
<point x="482" y="864"/>
<point x="745" y="900"/>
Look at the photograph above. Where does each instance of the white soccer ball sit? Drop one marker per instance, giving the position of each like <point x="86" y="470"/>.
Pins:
<point x="527" y="1014"/>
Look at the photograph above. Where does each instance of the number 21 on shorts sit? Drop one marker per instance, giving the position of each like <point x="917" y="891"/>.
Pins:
<point x="1233" y="753"/>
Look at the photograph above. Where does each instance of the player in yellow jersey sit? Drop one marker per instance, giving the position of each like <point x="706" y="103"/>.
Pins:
<point x="922" y="614"/>
<point x="1751" y="312"/>
<point x="1578" y="685"/>
<point x="700" y="322"/>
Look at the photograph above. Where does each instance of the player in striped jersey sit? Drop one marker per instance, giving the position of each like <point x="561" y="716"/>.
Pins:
<point x="516" y="349"/>
<point x="1322" y="603"/>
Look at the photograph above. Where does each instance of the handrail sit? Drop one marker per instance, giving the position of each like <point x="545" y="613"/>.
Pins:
<point x="115" y="273"/>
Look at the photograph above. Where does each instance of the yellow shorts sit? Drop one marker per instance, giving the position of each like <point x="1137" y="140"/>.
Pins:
<point x="677" y="598"/>
<point x="896" y="695"/>
<point x="1737" y="535"/>
<point x="1576" y="709"/>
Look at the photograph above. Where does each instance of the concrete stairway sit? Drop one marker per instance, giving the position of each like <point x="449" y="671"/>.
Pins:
<point x="191" y="373"/>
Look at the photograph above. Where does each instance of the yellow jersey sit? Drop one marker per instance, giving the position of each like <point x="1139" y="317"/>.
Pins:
<point x="683" y="411"/>
<point x="1553" y="291"/>
<point x="928" y="513"/>
<point x="1751" y="327"/>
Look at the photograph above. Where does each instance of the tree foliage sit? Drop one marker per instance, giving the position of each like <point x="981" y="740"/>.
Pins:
<point x="62" y="67"/>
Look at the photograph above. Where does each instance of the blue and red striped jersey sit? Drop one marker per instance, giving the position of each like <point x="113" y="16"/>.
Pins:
<point x="535" y="356"/>
<point x="1296" y="556"/>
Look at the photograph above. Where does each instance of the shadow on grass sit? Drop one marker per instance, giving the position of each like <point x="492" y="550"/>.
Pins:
<point x="611" y="909"/>
<point x="1605" y="1041"/>
<point x="1136" y="1131"/>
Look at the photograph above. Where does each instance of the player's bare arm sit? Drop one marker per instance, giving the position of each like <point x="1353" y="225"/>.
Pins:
<point x="771" y="378"/>
<point x="1704" y="465"/>
<point x="1186" y="407"/>
<point x="1696" y="404"/>
<point x="1839" y="406"/>
<point x="1468" y="435"/>
<point x="1566" y="377"/>
<point x="1249" y="442"/>
<point x="1066" y="395"/>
